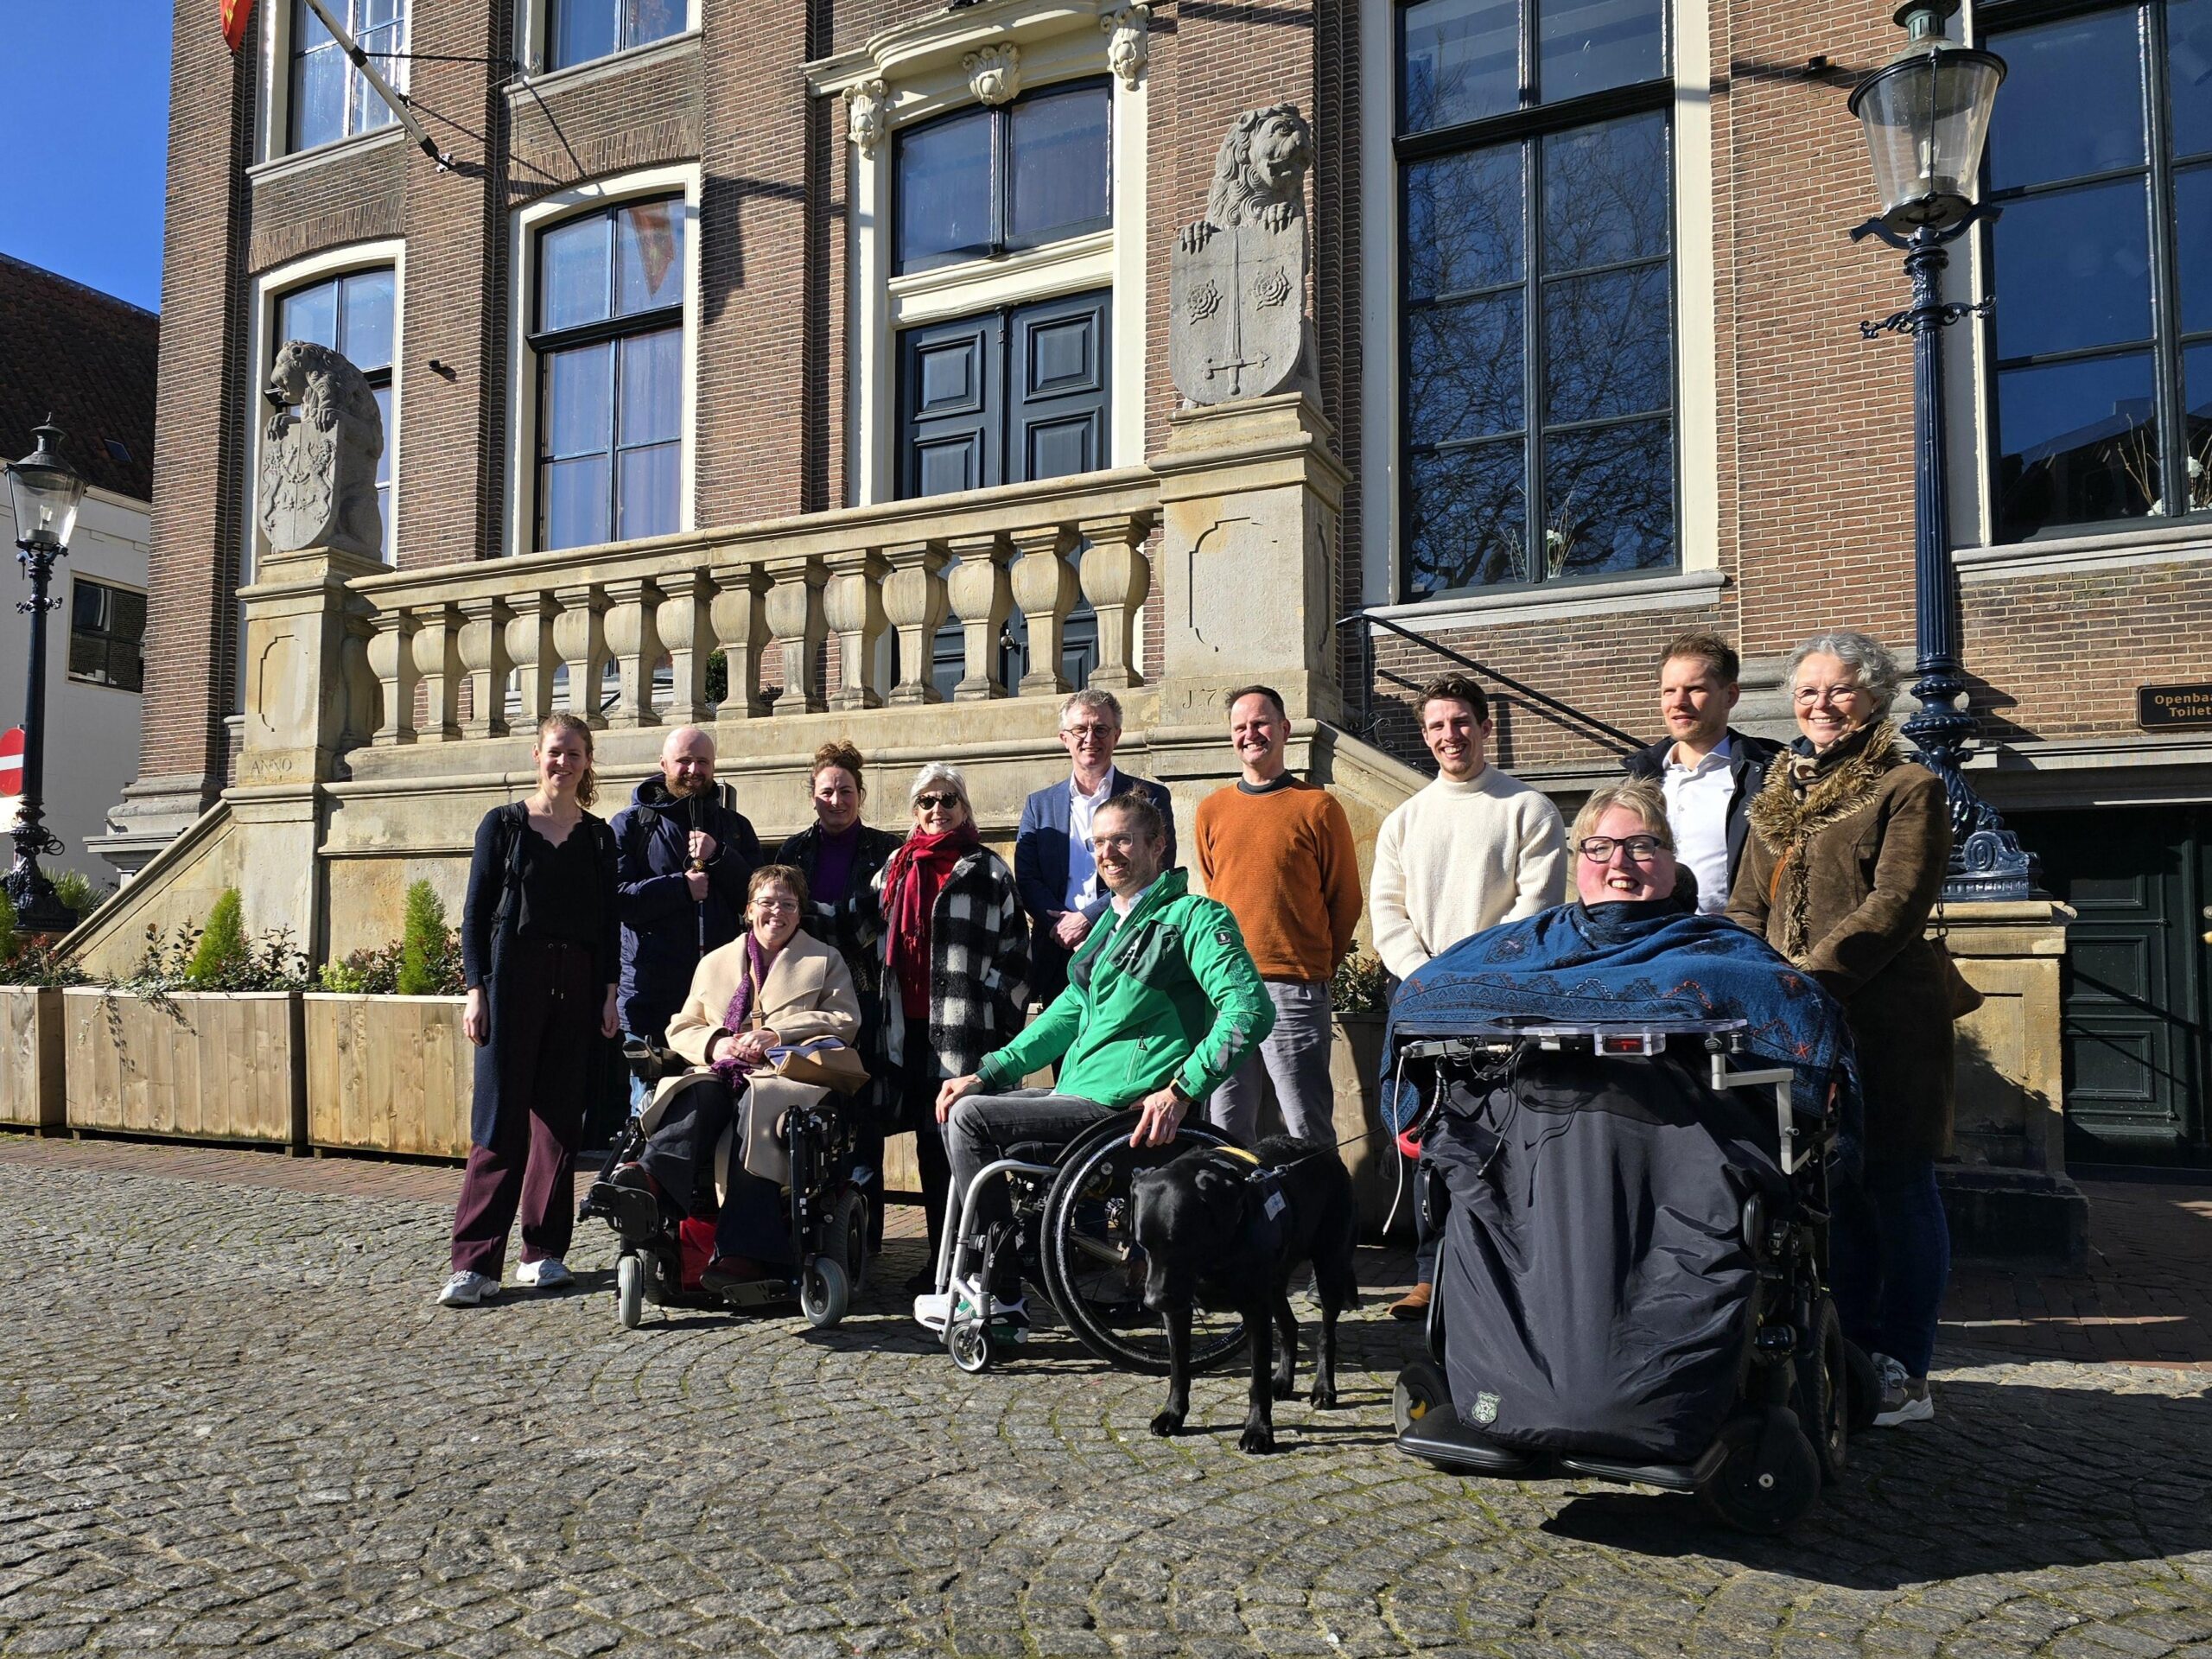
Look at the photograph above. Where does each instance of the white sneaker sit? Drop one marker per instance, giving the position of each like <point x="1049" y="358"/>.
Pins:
<point x="1009" y="1320"/>
<point x="933" y="1311"/>
<point x="550" y="1274"/>
<point x="1904" y="1399"/>
<point x="468" y="1289"/>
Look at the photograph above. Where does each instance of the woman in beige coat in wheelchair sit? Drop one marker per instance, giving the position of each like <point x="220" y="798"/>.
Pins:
<point x="772" y="987"/>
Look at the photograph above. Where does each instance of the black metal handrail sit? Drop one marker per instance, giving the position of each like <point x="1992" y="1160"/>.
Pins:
<point x="1564" y="714"/>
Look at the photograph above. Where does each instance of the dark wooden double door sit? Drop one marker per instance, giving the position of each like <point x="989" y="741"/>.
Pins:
<point x="2139" y="974"/>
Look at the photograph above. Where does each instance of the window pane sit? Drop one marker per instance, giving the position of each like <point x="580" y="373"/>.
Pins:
<point x="367" y="342"/>
<point x="1607" y="346"/>
<point x="2189" y="61"/>
<point x="1467" y="525"/>
<point x="2072" y="101"/>
<point x="1587" y="46"/>
<point x="318" y="93"/>
<point x="944" y="191"/>
<point x="308" y="314"/>
<point x="383" y="395"/>
<point x="1463" y="61"/>
<point x="648" y="492"/>
<point x="1463" y="222"/>
<point x="653" y="20"/>
<point x="2074" y="269"/>
<point x="1464" y="369"/>
<point x="369" y="111"/>
<point x="572" y="273"/>
<point x="1060" y="168"/>
<point x="2193" y="243"/>
<point x="2079" y="443"/>
<point x="574" y="494"/>
<point x="648" y="256"/>
<point x="1606" y="194"/>
<point x="652" y="387"/>
<point x="578" y="420"/>
<point x="85" y="610"/>
<point x="581" y="30"/>
<point x="1609" y="499"/>
<point x="2196" y="395"/>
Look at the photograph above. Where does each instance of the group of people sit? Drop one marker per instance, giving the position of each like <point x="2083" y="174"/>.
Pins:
<point x="926" y="953"/>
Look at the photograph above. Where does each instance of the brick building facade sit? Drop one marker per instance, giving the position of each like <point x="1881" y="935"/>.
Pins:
<point x="1745" y="460"/>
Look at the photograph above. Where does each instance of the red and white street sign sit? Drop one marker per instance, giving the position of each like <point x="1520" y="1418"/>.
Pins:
<point x="12" y="761"/>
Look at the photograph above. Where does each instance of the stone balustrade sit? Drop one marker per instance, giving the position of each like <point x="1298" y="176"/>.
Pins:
<point x="472" y="650"/>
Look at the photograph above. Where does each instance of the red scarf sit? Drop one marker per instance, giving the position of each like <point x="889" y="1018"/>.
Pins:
<point x="912" y="881"/>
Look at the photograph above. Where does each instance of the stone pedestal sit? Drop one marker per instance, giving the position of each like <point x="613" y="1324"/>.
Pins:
<point x="2006" y="1186"/>
<point x="1250" y="496"/>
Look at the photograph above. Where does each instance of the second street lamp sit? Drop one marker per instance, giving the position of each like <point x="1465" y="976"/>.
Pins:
<point x="45" y="492"/>
<point x="1926" y="116"/>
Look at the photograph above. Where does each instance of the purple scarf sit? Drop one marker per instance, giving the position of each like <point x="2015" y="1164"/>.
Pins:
<point x="757" y="963"/>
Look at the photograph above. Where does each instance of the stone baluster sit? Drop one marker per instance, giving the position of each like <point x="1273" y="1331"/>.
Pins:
<point x="1044" y="586"/>
<point x="914" y="601"/>
<point x="529" y="647"/>
<point x="437" y="659"/>
<point x="686" y="632"/>
<point x="853" y="606"/>
<point x="391" y="660"/>
<point x="580" y="637"/>
<point x="1116" y="578"/>
<point x="633" y="635"/>
<point x="484" y="659"/>
<point x="795" y="617"/>
<point x="362" y="693"/>
<point x="739" y="612"/>
<point x="981" y="598"/>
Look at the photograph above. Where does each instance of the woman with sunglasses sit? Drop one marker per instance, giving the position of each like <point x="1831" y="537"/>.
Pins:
<point x="1850" y="842"/>
<point x="955" y="956"/>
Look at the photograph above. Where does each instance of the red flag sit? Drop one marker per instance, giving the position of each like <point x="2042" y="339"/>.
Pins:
<point x="235" y="14"/>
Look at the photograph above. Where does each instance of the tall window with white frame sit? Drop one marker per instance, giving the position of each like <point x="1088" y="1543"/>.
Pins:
<point x="2101" y="158"/>
<point x="576" y="31"/>
<point x="608" y="342"/>
<point x="330" y="99"/>
<point x="352" y="314"/>
<point x="1536" y="298"/>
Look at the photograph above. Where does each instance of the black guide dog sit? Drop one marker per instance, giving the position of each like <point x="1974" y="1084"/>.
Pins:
<point x="1225" y="1227"/>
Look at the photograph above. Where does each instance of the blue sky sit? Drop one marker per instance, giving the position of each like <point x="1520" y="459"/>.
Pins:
<point x="83" y="103"/>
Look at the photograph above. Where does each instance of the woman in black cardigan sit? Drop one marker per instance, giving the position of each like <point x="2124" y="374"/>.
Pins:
<point x="541" y="950"/>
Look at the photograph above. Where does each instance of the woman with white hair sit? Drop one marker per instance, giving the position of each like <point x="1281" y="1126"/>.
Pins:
<point x="956" y="952"/>
<point x="1850" y="842"/>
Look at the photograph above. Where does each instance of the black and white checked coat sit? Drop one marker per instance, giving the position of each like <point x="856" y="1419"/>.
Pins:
<point x="979" y="965"/>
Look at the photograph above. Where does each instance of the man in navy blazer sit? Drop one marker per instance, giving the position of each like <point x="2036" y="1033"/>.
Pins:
<point x="1052" y="865"/>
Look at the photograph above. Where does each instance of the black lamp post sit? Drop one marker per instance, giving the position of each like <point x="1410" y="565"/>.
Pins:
<point x="45" y="492"/>
<point x="1926" y="113"/>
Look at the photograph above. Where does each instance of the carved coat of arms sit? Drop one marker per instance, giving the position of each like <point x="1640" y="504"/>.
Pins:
<point x="1237" y="289"/>
<point x="319" y="465"/>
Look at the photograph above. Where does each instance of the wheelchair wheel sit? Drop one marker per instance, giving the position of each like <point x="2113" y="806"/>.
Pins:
<point x="1093" y="1271"/>
<point x="968" y="1342"/>
<point x="1421" y="1388"/>
<point x="846" y="1239"/>
<point x="629" y="1292"/>
<point x="825" y="1291"/>
<point x="1822" y="1397"/>
<point x="1754" y="1493"/>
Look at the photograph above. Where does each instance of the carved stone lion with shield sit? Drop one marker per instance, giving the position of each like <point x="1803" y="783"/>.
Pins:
<point x="319" y="465"/>
<point x="1238" y="285"/>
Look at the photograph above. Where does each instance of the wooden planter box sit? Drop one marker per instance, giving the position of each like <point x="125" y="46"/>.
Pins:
<point x="30" y="1057"/>
<point x="388" y="1074"/>
<point x="204" y="1065"/>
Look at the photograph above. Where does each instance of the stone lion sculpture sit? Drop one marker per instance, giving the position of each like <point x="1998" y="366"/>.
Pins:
<point x="1259" y="177"/>
<point x="319" y="467"/>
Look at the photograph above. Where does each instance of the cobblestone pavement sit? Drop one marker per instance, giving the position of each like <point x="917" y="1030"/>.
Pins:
<point x="233" y="1422"/>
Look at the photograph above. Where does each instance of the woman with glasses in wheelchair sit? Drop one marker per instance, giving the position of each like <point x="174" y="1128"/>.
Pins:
<point x="1162" y="1003"/>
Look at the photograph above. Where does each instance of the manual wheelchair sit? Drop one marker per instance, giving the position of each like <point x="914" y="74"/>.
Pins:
<point x="1072" y="1228"/>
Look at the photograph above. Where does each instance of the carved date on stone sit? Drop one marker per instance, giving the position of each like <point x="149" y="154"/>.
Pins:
<point x="319" y="454"/>
<point x="1237" y="288"/>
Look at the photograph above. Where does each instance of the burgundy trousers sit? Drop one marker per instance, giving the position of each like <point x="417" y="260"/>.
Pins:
<point x="552" y="1010"/>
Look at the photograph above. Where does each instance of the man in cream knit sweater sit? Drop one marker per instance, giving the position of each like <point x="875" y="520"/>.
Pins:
<point x="1476" y="847"/>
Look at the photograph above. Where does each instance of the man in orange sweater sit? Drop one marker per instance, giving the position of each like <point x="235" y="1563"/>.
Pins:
<point x="1279" y="853"/>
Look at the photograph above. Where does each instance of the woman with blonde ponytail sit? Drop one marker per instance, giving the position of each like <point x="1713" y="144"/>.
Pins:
<point x="541" y="952"/>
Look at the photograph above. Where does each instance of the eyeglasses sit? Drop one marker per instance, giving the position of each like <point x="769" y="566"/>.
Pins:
<point x="1641" y="849"/>
<point x="931" y="803"/>
<point x="1810" y="696"/>
<point x="774" y="901"/>
<point x="1112" y="843"/>
<point x="1089" y="733"/>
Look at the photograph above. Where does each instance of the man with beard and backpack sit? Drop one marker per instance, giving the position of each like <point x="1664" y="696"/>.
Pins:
<point x="683" y="859"/>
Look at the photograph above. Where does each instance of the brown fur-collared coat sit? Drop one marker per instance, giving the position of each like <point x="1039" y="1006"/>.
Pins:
<point x="1841" y="881"/>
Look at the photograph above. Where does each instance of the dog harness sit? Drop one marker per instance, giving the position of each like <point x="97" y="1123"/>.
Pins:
<point x="1269" y="1220"/>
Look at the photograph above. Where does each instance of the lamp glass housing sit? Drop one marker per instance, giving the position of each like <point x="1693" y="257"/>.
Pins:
<point x="1926" y="115"/>
<point x="45" y="492"/>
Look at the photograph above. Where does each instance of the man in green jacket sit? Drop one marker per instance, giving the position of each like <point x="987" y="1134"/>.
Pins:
<point x="1162" y="1003"/>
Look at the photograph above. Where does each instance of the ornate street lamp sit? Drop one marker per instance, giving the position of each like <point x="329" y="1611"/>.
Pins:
<point x="45" y="491"/>
<point x="1926" y="113"/>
